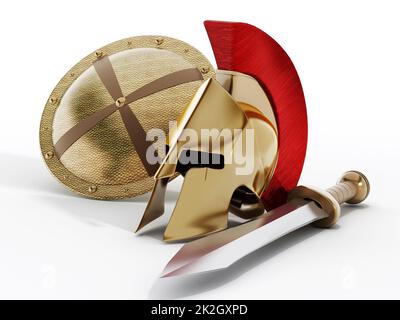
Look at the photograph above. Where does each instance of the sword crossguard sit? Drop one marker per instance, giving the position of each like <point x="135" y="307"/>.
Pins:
<point x="353" y="187"/>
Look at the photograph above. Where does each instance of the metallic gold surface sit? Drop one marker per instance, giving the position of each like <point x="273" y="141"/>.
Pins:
<point x="202" y="206"/>
<point x="361" y="183"/>
<point x="49" y="155"/>
<point x="104" y="156"/>
<point x="246" y="89"/>
<point x="155" y="206"/>
<point x="120" y="102"/>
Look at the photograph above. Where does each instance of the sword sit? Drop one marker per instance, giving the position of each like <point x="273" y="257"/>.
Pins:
<point x="306" y="205"/>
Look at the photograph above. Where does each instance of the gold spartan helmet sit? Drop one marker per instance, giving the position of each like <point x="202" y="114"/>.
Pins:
<point x="211" y="188"/>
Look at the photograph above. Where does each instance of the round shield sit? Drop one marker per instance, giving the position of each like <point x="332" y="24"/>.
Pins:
<point x="94" y="125"/>
<point x="244" y="48"/>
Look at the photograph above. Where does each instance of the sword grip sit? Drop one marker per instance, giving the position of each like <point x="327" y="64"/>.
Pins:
<point x="352" y="187"/>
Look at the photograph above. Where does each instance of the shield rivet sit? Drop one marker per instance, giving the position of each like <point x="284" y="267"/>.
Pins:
<point x="159" y="41"/>
<point x="53" y="100"/>
<point x="49" y="155"/>
<point x="99" y="54"/>
<point x="92" y="189"/>
<point x="205" y="70"/>
<point x="120" y="102"/>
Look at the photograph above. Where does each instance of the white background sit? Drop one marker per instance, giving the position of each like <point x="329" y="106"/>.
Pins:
<point x="54" y="244"/>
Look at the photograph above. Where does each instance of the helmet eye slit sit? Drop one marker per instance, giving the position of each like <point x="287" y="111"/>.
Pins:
<point x="189" y="159"/>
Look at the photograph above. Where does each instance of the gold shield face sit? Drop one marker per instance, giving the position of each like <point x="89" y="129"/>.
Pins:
<point x="85" y="140"/>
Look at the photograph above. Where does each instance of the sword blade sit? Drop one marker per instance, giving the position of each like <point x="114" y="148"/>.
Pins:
<point x="222" y="249"/>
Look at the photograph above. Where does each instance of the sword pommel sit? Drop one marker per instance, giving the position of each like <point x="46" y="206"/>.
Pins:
<point x="353" y="187"/>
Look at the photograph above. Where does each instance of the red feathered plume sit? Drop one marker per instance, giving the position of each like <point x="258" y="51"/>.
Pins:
<point x="244" y="48"/>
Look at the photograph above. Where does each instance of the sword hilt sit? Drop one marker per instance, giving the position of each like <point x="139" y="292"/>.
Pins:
<point x="353" y="187"/>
